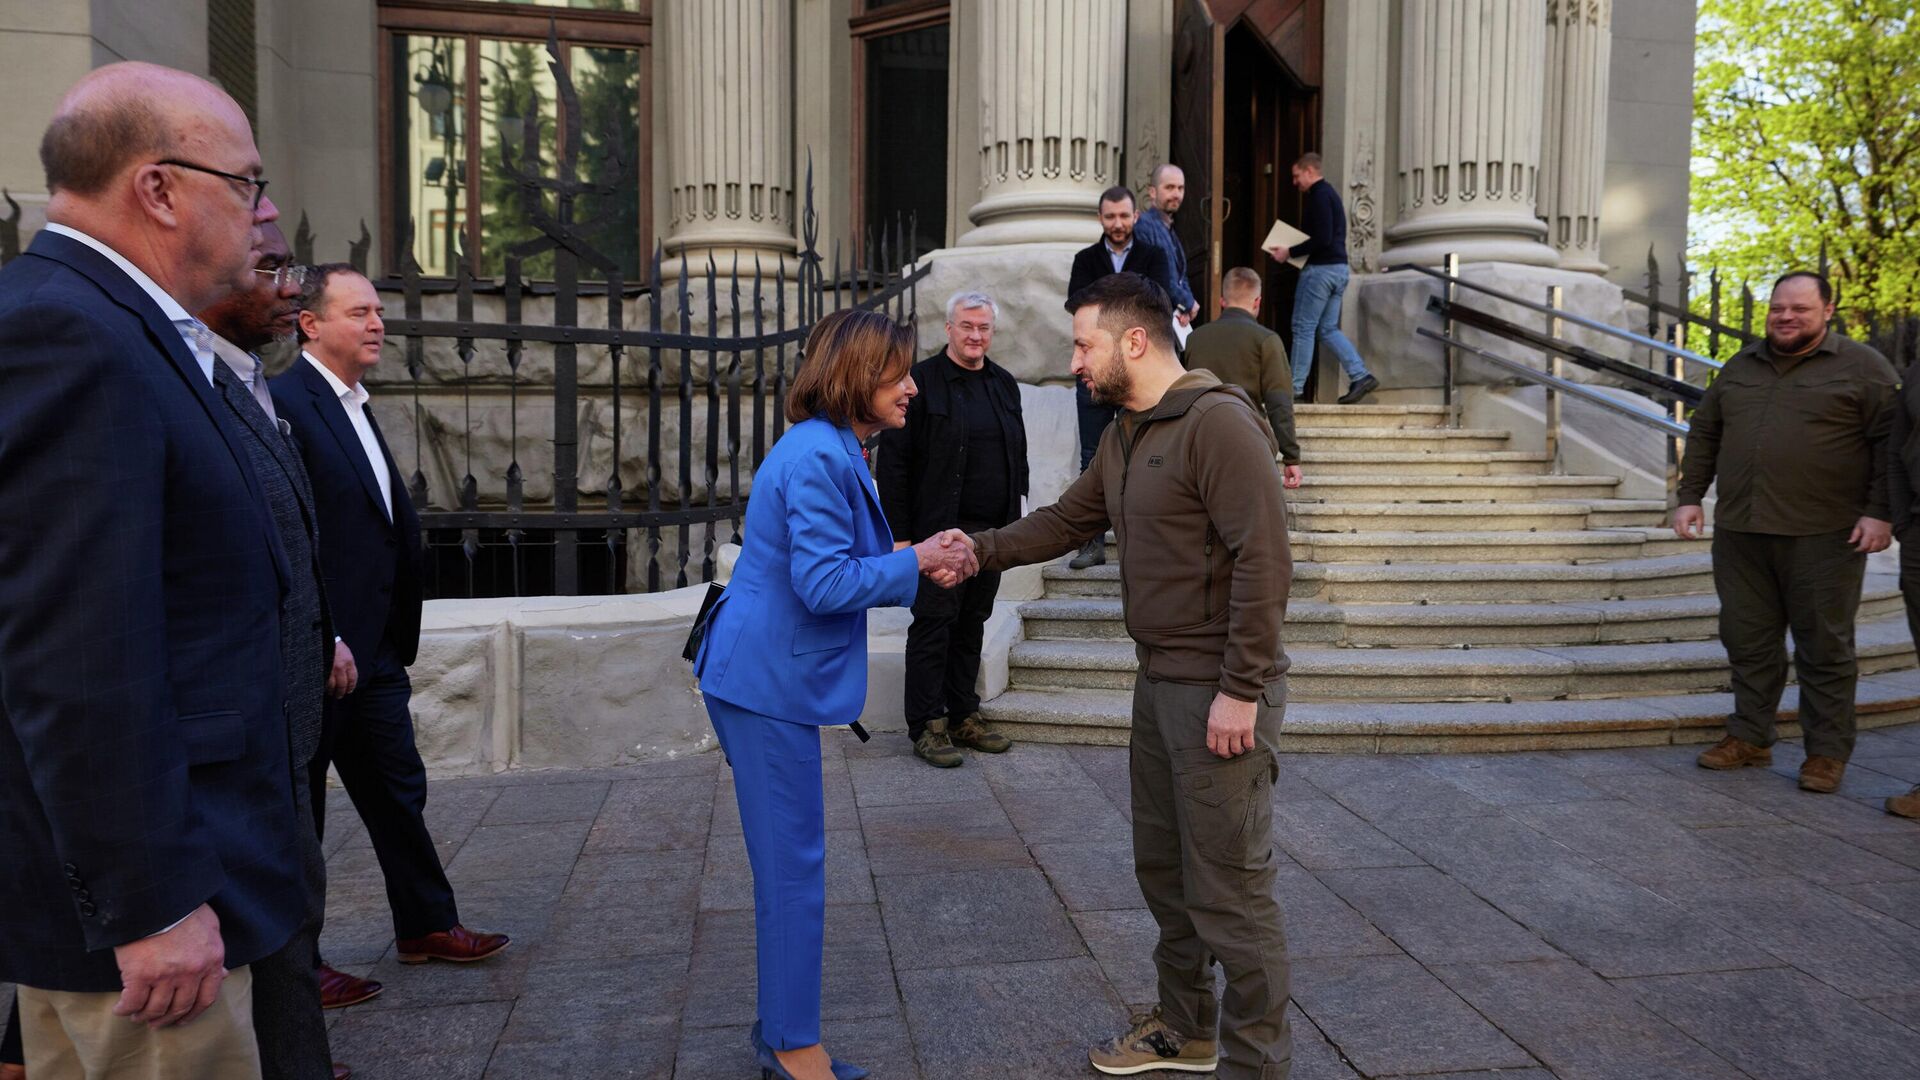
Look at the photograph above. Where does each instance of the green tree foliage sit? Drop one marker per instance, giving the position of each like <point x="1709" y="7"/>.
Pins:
<point x="1807" y="132"/>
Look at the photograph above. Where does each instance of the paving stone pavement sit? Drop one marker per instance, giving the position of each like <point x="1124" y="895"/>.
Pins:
<point x="1586" y="915"/>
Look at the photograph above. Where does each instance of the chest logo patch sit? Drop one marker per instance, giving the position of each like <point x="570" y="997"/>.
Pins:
<point x="1155" y="461"/>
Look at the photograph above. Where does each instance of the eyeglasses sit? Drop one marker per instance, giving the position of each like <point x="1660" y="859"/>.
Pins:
<point x="258" y="185"/>
<point x="286" y="274"/>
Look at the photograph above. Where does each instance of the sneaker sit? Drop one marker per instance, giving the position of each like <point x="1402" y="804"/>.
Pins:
<point x="1731" y="753"/>
<point x="1907" y="805"/>
<point x="935" y="748"/>
<point x="1821" y="775"/>
<point x="1150" y="1045"/>
<point x="973" y="733"/>
<point x="1367" y="385"/>
<point x="1093" y="554"/>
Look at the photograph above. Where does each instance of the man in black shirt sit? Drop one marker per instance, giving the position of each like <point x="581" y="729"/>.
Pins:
<point x="960" y="462"/>
<point x="1316" y="300"/>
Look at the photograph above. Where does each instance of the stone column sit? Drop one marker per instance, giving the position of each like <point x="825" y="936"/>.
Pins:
<point x="1052" y="115"/>
<point x="1573" y="156"/>
<point x="1472" y="76"/>
<point x="729" y="131"/>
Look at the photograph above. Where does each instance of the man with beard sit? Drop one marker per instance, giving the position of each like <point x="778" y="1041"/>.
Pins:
<point x="1185" y="478"/>
<point x="1164" y="196"/>
<point x="1117" y="251"/>
<point x="286" y="988"/>
<point x="1796" y="429"/>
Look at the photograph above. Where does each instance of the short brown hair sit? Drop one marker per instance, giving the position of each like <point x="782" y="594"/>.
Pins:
<point x="313" y="296"/>
<point x="1128" y="300"/>
<point x="850" y="354"/>
<point x="1309" y="160"/>
<point x="1240" y="284"/>
<point x="1118" y="192"/>
<point x="83" y="149"/>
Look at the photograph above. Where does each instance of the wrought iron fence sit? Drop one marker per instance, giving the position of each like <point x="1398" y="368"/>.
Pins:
<point x="1711" y="317"/>
<point x="710" y="362"/>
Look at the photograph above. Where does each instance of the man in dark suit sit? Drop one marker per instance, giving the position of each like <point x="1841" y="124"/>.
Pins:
<point x="370" y="552"/>
<point x="147" y="828"/>
<point x="286" y="989"/>
<point x="1117" y="250"/>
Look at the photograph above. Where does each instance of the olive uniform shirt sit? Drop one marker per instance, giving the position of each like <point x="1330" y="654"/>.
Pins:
<point x="1248" y="355"/>
<point x="1798" y="444"/>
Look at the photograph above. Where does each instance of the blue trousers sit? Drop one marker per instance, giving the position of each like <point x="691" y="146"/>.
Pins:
<point x="776" y="777"/>
<point x="1316" y="317"/>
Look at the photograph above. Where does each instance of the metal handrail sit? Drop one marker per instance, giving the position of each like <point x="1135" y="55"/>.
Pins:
<point x="1660" y="386"/>
<point x="1567" y="316"/>
<point x="1658" y="421"/>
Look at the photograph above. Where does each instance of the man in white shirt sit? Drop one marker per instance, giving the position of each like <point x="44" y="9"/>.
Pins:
<point x="370" y="552"/>
<point x="147" y="832"/>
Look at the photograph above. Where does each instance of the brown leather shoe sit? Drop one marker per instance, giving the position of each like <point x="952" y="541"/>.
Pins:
<point x="1907" y="805"/>
<point x="460" y="945"/>
<point x="1822" y="774"/>
<point x="341" y="1072"/>
<point x="1731" y="753"/>
<point x="339" y="989"/>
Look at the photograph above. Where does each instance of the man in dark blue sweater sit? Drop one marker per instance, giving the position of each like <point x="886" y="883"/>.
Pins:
<point x="1316" y="300"/>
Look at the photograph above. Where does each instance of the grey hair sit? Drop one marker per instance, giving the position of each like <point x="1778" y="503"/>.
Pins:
<point x="968" y="298"/>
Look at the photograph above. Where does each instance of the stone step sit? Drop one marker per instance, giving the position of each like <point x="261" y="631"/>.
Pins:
<point x="1104" y="717"/>
<point x="1400" y="440"/>
<point x="1545" y="546"/>
<point x="1373" y="416"/>
<point x="1319" y="622"/>
<point x="1386" y="485"/>
<point x="1565" y="515"/>
<point x="1413" y="463"/>
<point x="1458" y="674"/>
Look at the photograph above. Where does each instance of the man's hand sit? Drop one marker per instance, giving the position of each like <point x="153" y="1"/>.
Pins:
<point x="344" y="676"/>
<point x="1290" y="476"/>
<point x="1688" y="521"/>
<point x="1279" y="252"/>
<point x="1184" y="318"/>
<point x="947" y="558"/>
<point x="1871" y="535"/>
<point x="173" y="977"/>
<point x="1230" y="725"/>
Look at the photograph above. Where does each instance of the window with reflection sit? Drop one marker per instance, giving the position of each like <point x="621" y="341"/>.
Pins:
<point x="902" y="56"/>
<point x="473" y="110"/>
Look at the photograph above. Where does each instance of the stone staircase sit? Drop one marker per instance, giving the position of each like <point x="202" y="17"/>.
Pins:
<point x="1450" y="593"/>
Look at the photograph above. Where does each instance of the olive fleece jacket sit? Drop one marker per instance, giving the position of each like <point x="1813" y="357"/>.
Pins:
<point x="1197" y="508"/>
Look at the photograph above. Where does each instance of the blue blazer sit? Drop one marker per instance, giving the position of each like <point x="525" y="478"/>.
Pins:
<point x="143" y="739"/>
<point x="372" y="566"/>
<point x="789" y="636"/>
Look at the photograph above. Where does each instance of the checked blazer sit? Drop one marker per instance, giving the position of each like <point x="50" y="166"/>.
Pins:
<point x="143" y="744"/>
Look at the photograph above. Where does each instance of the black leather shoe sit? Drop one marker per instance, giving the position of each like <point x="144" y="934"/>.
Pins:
<point x="1093" y="554"/>
<point x="1367" y="385"/>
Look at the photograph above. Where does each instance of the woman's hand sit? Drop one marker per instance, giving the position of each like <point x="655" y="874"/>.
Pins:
<point x="947" y="558"/>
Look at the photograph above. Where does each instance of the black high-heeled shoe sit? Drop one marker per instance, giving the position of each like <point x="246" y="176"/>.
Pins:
<point x="771" y="1069"/>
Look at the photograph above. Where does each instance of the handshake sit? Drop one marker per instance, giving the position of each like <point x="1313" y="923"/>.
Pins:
<point x="947" y="558"/>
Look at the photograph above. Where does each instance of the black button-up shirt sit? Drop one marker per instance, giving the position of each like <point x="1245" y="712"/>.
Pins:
<point x="1798" y="443"/>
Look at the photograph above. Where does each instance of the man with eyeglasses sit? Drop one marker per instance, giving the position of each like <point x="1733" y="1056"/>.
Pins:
<point x="313" y="662"/>
<point x="148" y="830"/>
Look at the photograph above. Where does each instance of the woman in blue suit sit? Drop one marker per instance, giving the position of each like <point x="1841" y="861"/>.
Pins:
<point x="785" y="652"/>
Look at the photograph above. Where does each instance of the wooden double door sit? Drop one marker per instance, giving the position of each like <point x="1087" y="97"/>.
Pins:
<point x="1246" y="105"/>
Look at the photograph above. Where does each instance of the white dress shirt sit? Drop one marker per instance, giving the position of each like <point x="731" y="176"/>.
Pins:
<point x="192" y="331"/>
<point x="354" y="399"/>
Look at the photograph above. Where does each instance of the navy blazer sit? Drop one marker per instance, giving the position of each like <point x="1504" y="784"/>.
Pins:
<point x="143" y="739"/>
<point x="373" y="566"/>
<point x="1095" y="261"/>
<point x="789" y="637"/>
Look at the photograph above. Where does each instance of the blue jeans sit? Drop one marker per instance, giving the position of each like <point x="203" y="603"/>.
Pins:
<point x="1316" y="313"/>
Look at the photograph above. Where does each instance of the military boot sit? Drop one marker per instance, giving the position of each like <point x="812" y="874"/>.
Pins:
<point x="935" y="748"/>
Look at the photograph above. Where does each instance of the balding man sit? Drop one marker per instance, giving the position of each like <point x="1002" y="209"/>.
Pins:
<point x="1248" y="355"/>
<point x="147" y="822"/>
<point x="1166" y="191"/>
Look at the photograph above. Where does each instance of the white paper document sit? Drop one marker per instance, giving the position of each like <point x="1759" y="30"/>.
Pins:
<point x="1285" y="235"/>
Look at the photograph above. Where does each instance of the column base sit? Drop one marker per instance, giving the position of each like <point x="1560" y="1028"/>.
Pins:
<point x="1034" y="217"/>
<point x="1476" y="236"/>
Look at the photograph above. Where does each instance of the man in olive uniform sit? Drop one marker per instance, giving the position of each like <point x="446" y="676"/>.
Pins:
<point x="1903" y="496"/>
<point x="1245" y="354"/>
<point x="1796" y="429"/>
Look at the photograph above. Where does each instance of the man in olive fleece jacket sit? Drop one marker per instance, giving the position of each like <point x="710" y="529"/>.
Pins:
<point x="1186" y="479"/>
<point x="1248" y="355"/>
